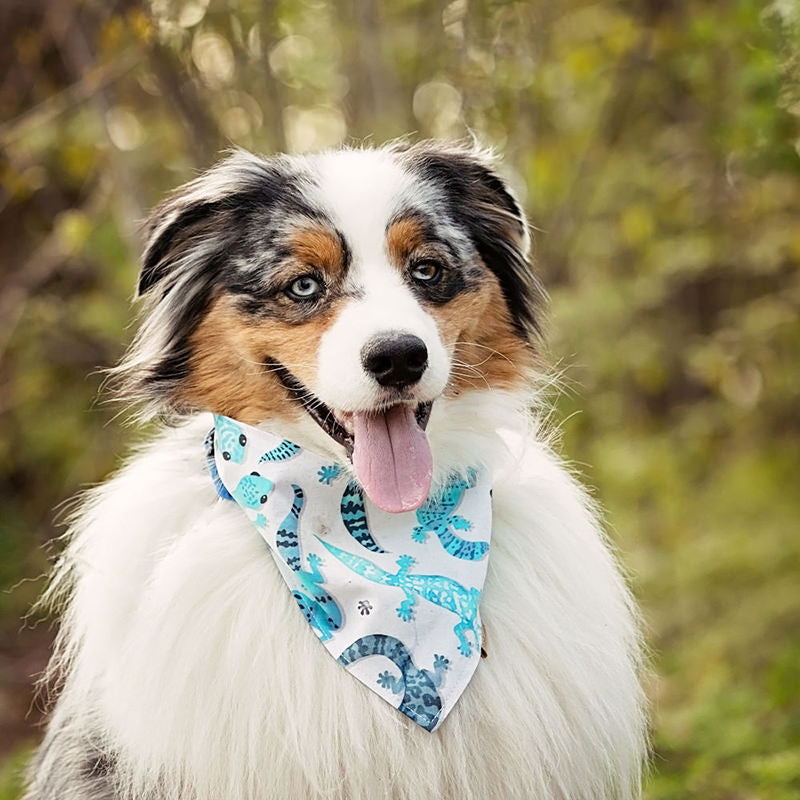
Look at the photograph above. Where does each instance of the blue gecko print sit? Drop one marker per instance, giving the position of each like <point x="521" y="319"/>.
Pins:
<point x="421" y="701"/>
<point x="230" y="439"/>
<point x="282" y="452"/>
<point x="435" y="516"/>
<point x="437" y="589"/>
<point x="319" y="608"/>
<point x="329" y="473"/>
<point x="208" y="444"/>
<point x="354" y="517"/>
<point x="252" y="491"/>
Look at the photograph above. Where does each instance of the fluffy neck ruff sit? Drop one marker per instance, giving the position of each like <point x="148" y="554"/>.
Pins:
<point x="186" y="663"/>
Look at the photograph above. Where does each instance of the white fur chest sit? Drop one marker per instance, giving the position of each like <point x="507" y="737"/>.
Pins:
<point x="207" y="683"/>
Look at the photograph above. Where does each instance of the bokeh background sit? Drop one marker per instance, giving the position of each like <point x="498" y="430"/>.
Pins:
<point x="655" y="147"/>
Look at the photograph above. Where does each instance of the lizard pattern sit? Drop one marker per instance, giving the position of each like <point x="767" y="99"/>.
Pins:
<point x="282" y="452"/>
<point x="421" y="701"/>
<point x="354" y="517"/>
<point x="328" y="473"/>
<point x="437" y="589"/>
<point x="211" y="464"/>
<point x="318" y="607"/>
<point x="231" y="439"/>
<point x="252" y="490"/>
<point x="435" y="516"/>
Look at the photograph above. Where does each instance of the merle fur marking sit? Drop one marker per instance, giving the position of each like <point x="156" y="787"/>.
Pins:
<point x="477" y="198"/>
<point x="226" y="232"/>
<point x="458" y="274"/>
<point x="196" y="242"/>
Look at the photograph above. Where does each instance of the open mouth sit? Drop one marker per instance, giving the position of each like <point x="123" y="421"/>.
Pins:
<point x="388" y="447"/>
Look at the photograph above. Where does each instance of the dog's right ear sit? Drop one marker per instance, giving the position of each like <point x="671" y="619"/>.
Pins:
<point x="190" y="240"/>
<point x="197" y="216"/>
<point x="187" y="217"/>
<point x="170" y="224"/>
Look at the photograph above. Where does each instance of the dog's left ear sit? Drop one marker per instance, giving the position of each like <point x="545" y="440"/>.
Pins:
<point x="479" y="198"/>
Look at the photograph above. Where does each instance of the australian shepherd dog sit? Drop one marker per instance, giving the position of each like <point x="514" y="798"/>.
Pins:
<point x="329" y="296"/>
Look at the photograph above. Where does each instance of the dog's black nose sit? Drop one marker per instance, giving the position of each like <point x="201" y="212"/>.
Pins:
<point x="395" y="359"/>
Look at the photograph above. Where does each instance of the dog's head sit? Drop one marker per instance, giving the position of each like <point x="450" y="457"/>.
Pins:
<point x="339" y="297"/>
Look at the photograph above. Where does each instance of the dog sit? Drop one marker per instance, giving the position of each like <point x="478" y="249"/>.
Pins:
<point x="313" y="295"/>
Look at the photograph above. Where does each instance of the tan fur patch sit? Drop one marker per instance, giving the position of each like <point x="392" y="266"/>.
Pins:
<point x="487" y="352"/>
<point x="402" y="238"/>
<point x="475" y="324"/>
<point x="318" y="247"/>
<point x="227" y="370"/>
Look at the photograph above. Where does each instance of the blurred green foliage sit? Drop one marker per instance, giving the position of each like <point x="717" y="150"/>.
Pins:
<point x="12" y="771"/>
<point x="655" y="145"/>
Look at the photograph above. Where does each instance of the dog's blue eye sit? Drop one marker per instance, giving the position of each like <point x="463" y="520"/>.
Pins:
<point x="426" y="272"/>
<point x="304" y="288"/>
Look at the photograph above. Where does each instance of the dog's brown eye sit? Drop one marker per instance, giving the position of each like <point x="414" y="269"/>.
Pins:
<point x="426" y="272"/>
<point x="306" y="287"/>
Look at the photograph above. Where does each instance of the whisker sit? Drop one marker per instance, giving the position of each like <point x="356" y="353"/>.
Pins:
<point x="485" y="347"/>
<point x="277" y="367"/>
<point x="464" y="365"/>
<point x="464" y="377"/>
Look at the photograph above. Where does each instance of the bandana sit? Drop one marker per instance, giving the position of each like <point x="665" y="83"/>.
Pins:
<point x="393" y="597"/>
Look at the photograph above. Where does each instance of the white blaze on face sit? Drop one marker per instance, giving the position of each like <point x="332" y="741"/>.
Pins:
<point x="362" y="191"/>
<point x="386" y="307"/>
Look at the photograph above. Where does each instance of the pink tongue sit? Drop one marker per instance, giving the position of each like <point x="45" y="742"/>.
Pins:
<point x="392" y="459"/>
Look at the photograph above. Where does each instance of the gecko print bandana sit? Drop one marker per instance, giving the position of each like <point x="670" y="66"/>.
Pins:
<point x="393" y="597"/>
